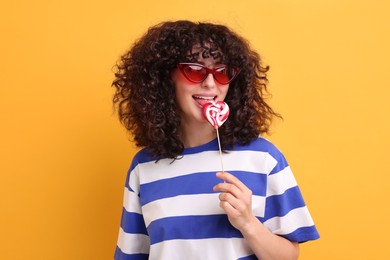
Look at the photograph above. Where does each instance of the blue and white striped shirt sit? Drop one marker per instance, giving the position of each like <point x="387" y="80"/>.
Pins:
<point x="170" y="210"/>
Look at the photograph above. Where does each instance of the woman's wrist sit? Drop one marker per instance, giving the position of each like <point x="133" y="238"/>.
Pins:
<point x="251" y="228"/>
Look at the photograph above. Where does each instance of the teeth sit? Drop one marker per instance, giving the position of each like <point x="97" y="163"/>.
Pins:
<point x="205" y="98"/>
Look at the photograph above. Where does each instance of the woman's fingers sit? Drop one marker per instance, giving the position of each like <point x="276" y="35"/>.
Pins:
<point x="228" y="198"/>
<point x="230" y="178"/>
<point x="234" y="193"/>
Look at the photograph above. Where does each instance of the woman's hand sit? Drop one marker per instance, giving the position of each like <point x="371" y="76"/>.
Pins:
<point x="235" y="200"/>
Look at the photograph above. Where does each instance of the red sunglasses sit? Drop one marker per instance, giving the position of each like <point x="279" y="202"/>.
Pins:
<point x="197" y="73"/>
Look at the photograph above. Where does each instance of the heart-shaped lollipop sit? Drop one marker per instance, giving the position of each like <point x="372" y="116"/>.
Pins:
<point x="216" y="112"/>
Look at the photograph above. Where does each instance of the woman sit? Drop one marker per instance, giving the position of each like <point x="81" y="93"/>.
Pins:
<point x="178" y="203"/>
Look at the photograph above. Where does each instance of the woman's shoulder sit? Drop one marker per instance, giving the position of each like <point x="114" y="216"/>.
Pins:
<point x="144" y="155"/>
<point x="260" y="144"/>
<point x="265" y="146"/>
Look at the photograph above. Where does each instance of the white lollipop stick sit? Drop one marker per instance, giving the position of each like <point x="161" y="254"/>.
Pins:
<point x="216" y="113"/>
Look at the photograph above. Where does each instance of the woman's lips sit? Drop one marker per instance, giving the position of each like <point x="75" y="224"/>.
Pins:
<point x="201" y="100"/>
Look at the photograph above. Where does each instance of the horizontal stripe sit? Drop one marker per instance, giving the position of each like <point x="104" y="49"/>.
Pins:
<point x="191" y="184"/>
<point x="250" y="161"/>
<point x="280" y="182"/>
<point x="280" y="205"/>
<point x="195" y="205"/>
<point x="287" y="224"/>
<point x="303" y="234"/>
<point x="259" y="144"/>
<point x="132" y="222"/>
<point x="205" y="249"/>
<point x="191" y="227"/>
<point x="197" y="183"/>
<point x="133" y="243"/>
<point x="131" y="202"/>
<point x="119" y="255"/>
<point x="202" y="204"/>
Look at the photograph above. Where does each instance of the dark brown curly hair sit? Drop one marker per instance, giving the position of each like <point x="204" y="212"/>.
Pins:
<point x="145" y="95"/>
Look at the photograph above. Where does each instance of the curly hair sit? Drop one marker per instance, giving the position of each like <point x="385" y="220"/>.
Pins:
<point x="145" y="95"/>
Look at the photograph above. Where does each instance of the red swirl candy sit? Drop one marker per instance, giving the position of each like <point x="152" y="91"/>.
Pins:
<point x="216" y="113"/>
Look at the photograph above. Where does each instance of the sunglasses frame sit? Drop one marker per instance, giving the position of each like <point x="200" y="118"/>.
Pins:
<point x="183" y="65"/>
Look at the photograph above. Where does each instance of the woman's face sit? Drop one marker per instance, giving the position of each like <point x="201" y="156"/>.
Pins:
<point x="191" y="96"/>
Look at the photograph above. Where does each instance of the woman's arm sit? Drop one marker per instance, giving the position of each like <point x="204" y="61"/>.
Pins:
<point x="236" y="200"/>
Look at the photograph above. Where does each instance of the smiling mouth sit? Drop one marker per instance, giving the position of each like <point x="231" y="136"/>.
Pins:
<point x="201" y="100"/>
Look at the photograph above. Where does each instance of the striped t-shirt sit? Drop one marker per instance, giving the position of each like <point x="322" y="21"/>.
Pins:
<point x="170" y="210"/>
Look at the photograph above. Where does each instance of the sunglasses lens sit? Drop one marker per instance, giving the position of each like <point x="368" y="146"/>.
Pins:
<point x="222" y="75"/>
<point x="195" y="72"/>
<point x="225" y="74"/>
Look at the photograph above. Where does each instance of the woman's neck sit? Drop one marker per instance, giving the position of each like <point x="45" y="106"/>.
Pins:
<point x="196" y="134"/>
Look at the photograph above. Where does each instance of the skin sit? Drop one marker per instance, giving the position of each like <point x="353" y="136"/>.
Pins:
<point x="235" y="198"/>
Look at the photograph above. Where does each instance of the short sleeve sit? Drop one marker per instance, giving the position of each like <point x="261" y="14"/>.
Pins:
<point x="286" y="213"/>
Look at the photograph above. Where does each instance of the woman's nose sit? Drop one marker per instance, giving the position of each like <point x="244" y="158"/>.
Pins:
<point x="209" y="82"/>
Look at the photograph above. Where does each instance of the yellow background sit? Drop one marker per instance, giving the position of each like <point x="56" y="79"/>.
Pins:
<point x="64" y="156"/>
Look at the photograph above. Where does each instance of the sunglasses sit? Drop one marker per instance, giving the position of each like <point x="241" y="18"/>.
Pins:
<point x="197" y="73"/>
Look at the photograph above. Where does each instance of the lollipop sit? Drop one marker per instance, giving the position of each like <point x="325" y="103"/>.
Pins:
<point x="216" y="113"/>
